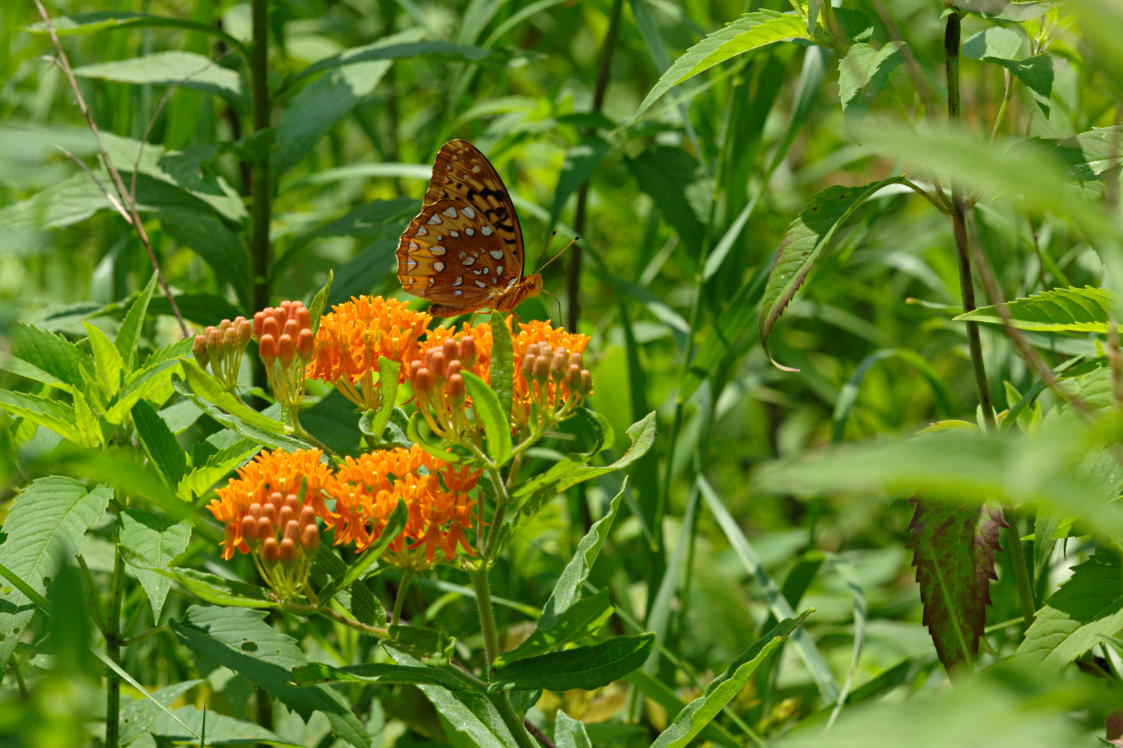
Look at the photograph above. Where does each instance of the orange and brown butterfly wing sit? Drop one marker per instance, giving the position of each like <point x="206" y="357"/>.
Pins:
<point x="464" y="249"/>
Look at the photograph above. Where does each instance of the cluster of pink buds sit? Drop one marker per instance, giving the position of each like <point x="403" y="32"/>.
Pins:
<point x="439" y="386"/>
<point x="221" y="347"/>
<point x="285" y="344"/>
<point x="555" y="381"/>
<point x="282" y="536"/>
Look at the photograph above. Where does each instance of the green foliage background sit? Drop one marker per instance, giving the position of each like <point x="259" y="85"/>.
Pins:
<point x="685" y="199"/>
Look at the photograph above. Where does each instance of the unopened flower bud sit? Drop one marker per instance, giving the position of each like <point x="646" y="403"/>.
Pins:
<point x="199" y="348"/>
<point x="586" y="382"/>
<point x="438" y="364"/>
<point x="542" y="368"/>
<point x="291" y="328"/>
<point x="528" y="365"/>
<point x="423" y="382"/>
<point x="292" y="530"/>
<point x="267" y="348"/>
<point x="264" y="528"/>
<point x="269" y="326"/>
<point x="573" y="378"/>
<point x="451" y="349"/>
<point x="286" y="349"/>
<point x="305" y="343"/>
<point x="277" y="499"/>
<point x="255" y="510"/>
<point x="214" y="337"/>
<point x="307" y="516"/>
<point x="285" y="516"/>
<point x="310" y="538"/>
<point x="455" y="388"/>
<point x="245" y="331"/>
<point x="575" y="359"/>
<point x="468" y="350"/>
<point x="293" y="502"/>
<point x="287" y="551"/>
<point x="259" y="323"/>
<point x="414" y="367"/>
<point x="558" y="364"/>
<point x="303" y="317"/>
<point x="454" y="368"/>
<point x="249" y="528"/>
<point x="270" y="550"/>
<point x="286" y="305"/>
<point x="230" y="338"/>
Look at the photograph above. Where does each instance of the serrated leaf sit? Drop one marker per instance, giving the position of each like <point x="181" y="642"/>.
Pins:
<point x="241" y="640"/>
<point x="128" y="335"/>
<point x="221" y="463"/>
<point x="698" y="713"/>
<point x="953" y="552"/>
<point x="1070" y="309"/>
<point x="1089" y="155"/>
<point x="567" y="590"/>
<point x="50" y="352"/>
<point x="141" y="384"/>
<point x="582" y="619"/>
<point x="108" y="363"/>
<point x="172" y="68"/>
<point x="384" y="674"/>
<point x="152" y="541"/>
<point x="863" y="73"/>
<point x="47" y="521"/>
<point x="802" y="244"/>
<point x="587" y="668"/>
<point x="750" y="31"/>
<point x="1087" y="608"/>
<point x="489" y="413"/>
<point x="159" y="442"/>
<point x="42" y="411"/>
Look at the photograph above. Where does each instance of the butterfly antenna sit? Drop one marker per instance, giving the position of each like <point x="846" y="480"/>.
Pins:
<point x="557" y="301"/>
<point x="572" y="241"/>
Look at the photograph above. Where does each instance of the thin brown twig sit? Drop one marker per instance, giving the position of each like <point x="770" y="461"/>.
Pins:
<point x="123" y="194"/>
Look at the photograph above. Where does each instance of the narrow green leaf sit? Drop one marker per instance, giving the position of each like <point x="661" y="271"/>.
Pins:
<point x="567" y="590"/>
<point x="1087" y="608"/>
<point x="587" y="668"/>
<point x="384" y="674"/>
<point x="47" y="521"/>
<point x="103" y="20"/>
<point x="582" y="619"/>
<point x="388" y="372"/>
<point x="395" y="523"/>
<point x="502" y="363"/>
<point x="159" y="442"/>
<point x="172" y="68"/>
<point x="750" y="31"/>
<point x="402" y="46"/>
<point x="413" y="433"/>
<point x="698" y="713"/>
<point x="801" y="246"/>
<point x="488" y="411"/>
<point x="42" y="411"/>
<point x="320" y="300"/>
<point x="128" y="335"/>
<point x="141" y="384"/>
<point x="221" y="463"/>
<point x="1070" y="309"/>
<point x="149" y="541"/>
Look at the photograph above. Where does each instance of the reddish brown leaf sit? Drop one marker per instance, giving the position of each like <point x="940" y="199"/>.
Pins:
<point x="953" y="552"/>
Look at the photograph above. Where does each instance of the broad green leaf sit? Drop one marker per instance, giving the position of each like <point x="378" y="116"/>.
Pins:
<point x="218" y="728"/>
<point x="965" y="467"/>
<point x="582" y="619"/>
<point x="750" y="31"/>
<point x="580" y="162"/>
<point x="700" y="712"/>
<point x="1037" y="75"/>
<point x="1091" y="154"/>
<point x="1006" y="10"/>
<point x="141" y="384"/>
<point x="128" y="335"/>
<point x="108" y="363"/>
<point x="587" y="668"/>
<point x="678" y="187"/>
<point x="953" y="551"/>
<point x="241" y="640"/>
<point x="468" y="716"/>
<point x="806" y="238"/>
<point x="219" y="246"/>
<point x="569" y="732"/>
<point x="996" y="42"/>
<point x="1086" y="609"/>
<point x="88" y="427"/>
<point x="666" y="697"/>
<point x="42" y="411"/>
<point x="47" y="522"/>
<point x="172" y="68"/>
<point x="139" y="715"/>
<point x="152" y="541"/>
<point x="489" y="413"/>
<point x="221" y="463"/>
<point x="567" y="590"/>
<point x="159" y="442"/>
<point x="1057" y="310"/>
<point x="52" y="353"/>
<point x="385" y="674"/>
<point x="863" y="73"/>
<point x="103" y="20"/>
<point x="413" y="433"/>
<point x="502" y="363"/>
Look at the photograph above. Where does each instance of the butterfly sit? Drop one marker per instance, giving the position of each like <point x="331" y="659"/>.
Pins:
<point x="464" y="250"/>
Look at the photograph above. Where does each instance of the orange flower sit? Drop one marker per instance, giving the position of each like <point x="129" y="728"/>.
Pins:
<point x="270" y="479"/>
<point x="350" y="340"/>
<point x="368" y="489"/>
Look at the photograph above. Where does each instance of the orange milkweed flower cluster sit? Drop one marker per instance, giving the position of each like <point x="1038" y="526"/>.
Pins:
<point x="436" y="494"/>
<point x="354" y="335"/>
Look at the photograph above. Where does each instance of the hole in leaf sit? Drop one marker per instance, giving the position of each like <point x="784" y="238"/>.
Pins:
<point x="248" y="646"/>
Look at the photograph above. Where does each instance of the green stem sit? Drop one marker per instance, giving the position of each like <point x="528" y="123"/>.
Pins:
<point x="400" y="597"/>
<point x="113" y="650"/>
<point x="502" y="705"/>
<point x="959" y="226"/>
<point x="261" y="189"/>
<point x="1021" y="573"/>
<point x="487" y="616"/>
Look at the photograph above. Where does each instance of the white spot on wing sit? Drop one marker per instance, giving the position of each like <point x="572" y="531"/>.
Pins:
<point x="437" y="249"/>
<point x="457" y="292"/>
<point x="486" y="230"/>
<point x="450" y="212"/>
<point x="434" y="219"/>
<point x="411" y="263"/>
<point x="479" y="283"/>
<point x="454" y="234"/>
<point x="470" y="232"/>
<point x="439" y="266"/>
<point x="499" y="270"/>
<point x="469" y="212"/>
<point x="496" y="254"/>
<point x="421" y="231"/>
<point x="458" y="281"/>
<point x="470" y="260"/>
